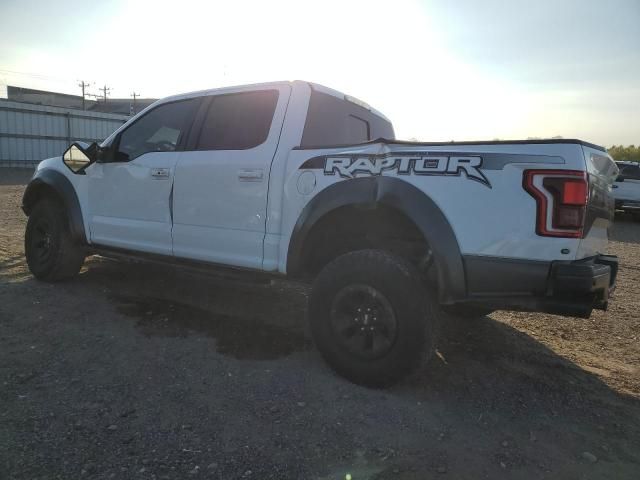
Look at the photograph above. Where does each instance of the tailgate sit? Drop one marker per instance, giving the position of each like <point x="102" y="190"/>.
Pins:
<point x="602" y="172"/>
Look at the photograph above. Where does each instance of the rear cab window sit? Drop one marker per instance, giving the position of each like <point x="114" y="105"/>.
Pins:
<point x="333" y="121"/>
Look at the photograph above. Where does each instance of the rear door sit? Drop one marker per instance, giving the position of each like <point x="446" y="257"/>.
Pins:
<point x="221" y="183"/>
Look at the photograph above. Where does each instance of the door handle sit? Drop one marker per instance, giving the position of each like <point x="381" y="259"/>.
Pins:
<point x="160" y="172"/>
<point x="250" y="175"/>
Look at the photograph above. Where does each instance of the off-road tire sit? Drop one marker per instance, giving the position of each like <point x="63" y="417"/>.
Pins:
<point x="400" y="291"/>
<point x="51" y="253"/>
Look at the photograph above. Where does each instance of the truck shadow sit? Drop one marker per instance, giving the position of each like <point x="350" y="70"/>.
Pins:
<point x="484" y="357"/>
<point x="258" y="321"/>
<point x="489" y="381"/>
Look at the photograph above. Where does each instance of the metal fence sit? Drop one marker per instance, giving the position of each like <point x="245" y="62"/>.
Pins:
<point x="30" y="133"/>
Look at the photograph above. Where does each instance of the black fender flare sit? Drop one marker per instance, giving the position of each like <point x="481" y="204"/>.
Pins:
<point x="52" y="179"/>
<point x="396" y="193"/>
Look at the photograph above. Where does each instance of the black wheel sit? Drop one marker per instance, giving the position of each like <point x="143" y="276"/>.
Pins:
<point x="371" y="317"/>
<point x="467" y="311"/>
<point x="50" y="251"/>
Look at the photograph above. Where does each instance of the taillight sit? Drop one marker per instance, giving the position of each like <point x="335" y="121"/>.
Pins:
<point x="561" y="199"/>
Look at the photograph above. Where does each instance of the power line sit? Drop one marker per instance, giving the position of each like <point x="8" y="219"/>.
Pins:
<point x="35" y="75"/>
<point x="38" y="81"/>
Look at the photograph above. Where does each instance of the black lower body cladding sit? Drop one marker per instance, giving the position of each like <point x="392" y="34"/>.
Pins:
<point x="572" y="288"/>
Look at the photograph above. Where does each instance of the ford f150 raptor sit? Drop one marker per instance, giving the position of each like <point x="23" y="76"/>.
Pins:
<point x="296" y="179"/>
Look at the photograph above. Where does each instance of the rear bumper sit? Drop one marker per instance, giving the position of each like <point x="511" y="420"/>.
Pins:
<point x="630" y="206"/>
<point x="591" y="281"/>
<point x="572" y="288"/>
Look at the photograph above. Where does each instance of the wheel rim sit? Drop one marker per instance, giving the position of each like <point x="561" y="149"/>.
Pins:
<point x="41" y="241"/>
<point x="363" y="321"/>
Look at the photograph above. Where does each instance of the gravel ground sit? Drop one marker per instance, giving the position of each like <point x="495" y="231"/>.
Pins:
<point x="133" y="371"/>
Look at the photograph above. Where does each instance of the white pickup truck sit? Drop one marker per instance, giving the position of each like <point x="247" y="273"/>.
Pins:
<point x="626" y="189"/>
<point x="296" y="179"/>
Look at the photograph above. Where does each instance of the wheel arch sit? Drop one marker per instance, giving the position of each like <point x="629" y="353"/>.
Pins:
<point x="48" y="182"/>
<point x="397" y="194"/>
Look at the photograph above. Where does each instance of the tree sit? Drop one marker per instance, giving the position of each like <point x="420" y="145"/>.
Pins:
<point x="620" y="152"/>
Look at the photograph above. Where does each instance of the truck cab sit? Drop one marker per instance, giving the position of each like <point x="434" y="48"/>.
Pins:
<point x="189" y="176"/>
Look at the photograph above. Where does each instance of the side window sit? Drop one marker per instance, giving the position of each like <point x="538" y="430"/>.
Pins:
<point x="335" y="121"/>
<point x="160" y="130"/>
<point x="238" y="121"/>
<point x="625" y="171"/>
<point x="632" y="173"/>
<point x="357" y="129"/>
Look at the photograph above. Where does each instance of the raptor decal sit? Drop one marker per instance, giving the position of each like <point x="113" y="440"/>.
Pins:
<point x="350" y="166"/>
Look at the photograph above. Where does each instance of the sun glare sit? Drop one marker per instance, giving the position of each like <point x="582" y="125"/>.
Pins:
<point x="399" y="59"/>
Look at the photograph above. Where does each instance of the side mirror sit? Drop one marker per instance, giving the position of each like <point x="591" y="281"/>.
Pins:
<point x="79" y="156"/>
<point x="110" y="153"/>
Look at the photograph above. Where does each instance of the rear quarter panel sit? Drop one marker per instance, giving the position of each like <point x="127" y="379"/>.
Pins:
<point x="602" y="171"/>
<point x="493" y="218"/>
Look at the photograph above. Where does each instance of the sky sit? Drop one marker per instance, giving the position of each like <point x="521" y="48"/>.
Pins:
<point x="440" y="70"/>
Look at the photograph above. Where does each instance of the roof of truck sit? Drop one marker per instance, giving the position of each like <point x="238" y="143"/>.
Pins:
<point x="330" y="91"/>
<point x="503" y="142"/>
<point x="474" y="142"/>
<point x="315" y="86"/>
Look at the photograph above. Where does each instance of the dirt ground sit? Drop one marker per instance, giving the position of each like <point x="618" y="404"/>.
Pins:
<point x="133" y="371"/>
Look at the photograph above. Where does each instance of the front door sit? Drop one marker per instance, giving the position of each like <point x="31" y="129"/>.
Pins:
<point x="221" y="184"/>
<point x="130" y="197"/>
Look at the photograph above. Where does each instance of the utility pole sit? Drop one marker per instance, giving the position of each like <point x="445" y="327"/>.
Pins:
<point x="133" y="109"/>
<point x="105" y="90"/>
<point x="83" y="85"/>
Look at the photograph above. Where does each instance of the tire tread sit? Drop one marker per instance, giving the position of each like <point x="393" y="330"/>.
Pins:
<point x="410" y="294"/>
<point x="69" y="256"/>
